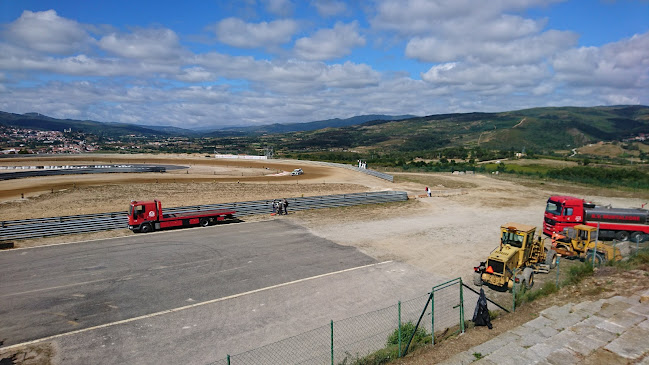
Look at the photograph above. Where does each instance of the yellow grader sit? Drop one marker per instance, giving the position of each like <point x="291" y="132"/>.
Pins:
<point x="581" y="242"/>
<point x="519" y="256"/>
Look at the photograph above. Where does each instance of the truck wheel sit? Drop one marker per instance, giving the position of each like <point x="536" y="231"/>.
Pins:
<point x="477" y="279"/>
<point x="204" y="222"/>
<point x="599" y="259"/>
<point x="528" y="277"/>
<point x="145" y="228"/>
<point x="637" y="237"/>
<point x="622" y="235"/>
<point x="551" y="259"/>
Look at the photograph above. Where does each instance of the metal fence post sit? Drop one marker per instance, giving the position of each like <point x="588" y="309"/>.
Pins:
<point x="332" y="342"/>
<point x="514" y="292"/>
<point x="558" y="260"/>
<point x="596" y="241"/>
<point x="461" y="307"/>
<point x="399" y="329"/>
<point x="432" y="316"/>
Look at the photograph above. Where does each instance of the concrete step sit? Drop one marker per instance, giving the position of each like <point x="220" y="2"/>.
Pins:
<point x="569" y="334"/>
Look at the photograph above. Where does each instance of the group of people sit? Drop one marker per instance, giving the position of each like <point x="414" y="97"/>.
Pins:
<point x="280" y="206"/>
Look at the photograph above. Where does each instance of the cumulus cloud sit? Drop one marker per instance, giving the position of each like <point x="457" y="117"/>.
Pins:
<point x="159" y="44"/>
<point x="328" y="8"/>
<point x="327" y="44"/>
<point x="195" y="74"/>
<point x="622" y="64"/>
<point x="45" y="31"/>
<point x="413" y="17"/>
<point x="279" y="7"/>
<point x="235" y="32"/>
<point x="524" y="50"/>
<point x="485" y="74"/>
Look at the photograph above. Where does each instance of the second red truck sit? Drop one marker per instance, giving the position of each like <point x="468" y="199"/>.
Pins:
<point x="614" y="223"/>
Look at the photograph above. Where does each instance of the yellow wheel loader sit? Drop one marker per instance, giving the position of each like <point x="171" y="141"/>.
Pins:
<point x="581" y="242"/>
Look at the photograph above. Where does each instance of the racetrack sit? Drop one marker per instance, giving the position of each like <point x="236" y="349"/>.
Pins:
<point x="190" y="296"/>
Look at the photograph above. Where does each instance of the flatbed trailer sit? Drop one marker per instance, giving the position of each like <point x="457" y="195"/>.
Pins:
<point x="147" y="216"/>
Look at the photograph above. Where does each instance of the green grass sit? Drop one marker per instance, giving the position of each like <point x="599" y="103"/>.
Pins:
<point x="391" y="351"/>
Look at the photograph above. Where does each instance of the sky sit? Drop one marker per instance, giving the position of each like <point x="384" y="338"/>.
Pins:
<point x="207" y="64"/>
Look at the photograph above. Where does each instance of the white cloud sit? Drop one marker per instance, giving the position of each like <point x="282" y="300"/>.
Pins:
<point x="195" y="74"/>
<point x="412" y="17"/>
<point x="237" y="33"/>
<point x="47" y="32"/>
<point x="622" y="64"/>
<point x="160" y="44"/>
<point x="327" y="8"/>
<point x="327" y="44"/>
<point x="476" y="76"/>
<point x="279" y="7"/>
<point x="519" y="51"/>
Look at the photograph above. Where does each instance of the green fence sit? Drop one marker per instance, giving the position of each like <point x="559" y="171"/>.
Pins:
<point x="349" y="340"/>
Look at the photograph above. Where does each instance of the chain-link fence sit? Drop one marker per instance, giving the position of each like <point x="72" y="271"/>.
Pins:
<point x="354" y="339"/>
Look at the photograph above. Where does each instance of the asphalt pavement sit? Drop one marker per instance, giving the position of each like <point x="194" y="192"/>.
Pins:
<point x="191" y="295"/>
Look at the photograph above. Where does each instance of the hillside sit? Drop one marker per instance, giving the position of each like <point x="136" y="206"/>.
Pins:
<point x="311" y="126"/>
<point x="538" y="128"/>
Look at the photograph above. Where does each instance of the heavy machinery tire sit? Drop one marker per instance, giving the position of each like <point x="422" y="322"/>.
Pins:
<point x="204" y="222"/>
<point x="622" y="235"/>
<point x="599" y="259"/>
<point x="637" y="237"/>
<point x="477" y="279"/>
<point x="551" y="259"/>
<point x="528" y="277"/>
<point x="145" y="228"/>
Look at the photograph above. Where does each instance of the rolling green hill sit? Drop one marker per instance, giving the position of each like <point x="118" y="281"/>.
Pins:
<point x="556" y="128"/>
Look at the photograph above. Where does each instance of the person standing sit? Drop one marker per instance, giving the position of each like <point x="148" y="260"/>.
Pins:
<point x="285" y="205"/>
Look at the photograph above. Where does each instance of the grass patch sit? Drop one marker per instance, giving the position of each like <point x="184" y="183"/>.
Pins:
<point x="526" y="296"/>
<point x="391" y="350"/>
<point x="577" y="273"/>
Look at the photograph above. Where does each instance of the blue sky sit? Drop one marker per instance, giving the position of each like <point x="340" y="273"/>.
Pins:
<point x="209" y="64"/>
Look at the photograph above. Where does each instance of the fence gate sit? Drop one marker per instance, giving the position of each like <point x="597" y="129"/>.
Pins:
<point x="446" y="311"/>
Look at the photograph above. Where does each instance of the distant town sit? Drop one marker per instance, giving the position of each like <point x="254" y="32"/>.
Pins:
<point x="30" y="141"/>
<point x="14" y="140"/>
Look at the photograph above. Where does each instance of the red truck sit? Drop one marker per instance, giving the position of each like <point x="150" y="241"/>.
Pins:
<point x="614" y="223"/>
<point x="147" y="216"/>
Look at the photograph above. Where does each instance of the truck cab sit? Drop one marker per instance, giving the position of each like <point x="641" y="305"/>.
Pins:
<point x="562" y="212"/>
<point x="143" y="212"/>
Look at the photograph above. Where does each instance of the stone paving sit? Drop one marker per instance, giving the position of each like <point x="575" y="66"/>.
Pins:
<point x="603" y="331"/>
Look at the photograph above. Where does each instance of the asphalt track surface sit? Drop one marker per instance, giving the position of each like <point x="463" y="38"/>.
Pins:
<point x="190" y="296"/>
<point x="87" y="169"/>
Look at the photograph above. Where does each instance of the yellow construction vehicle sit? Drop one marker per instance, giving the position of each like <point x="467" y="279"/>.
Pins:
<point x="519" y="256"/>
<point x="581" y="242"/>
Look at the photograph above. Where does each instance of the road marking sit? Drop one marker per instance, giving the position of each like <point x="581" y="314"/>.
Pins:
<point x="55" y="287"/>
<point x="169" y="311"/>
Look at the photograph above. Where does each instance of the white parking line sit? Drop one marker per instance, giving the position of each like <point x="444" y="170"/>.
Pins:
<point x="186" y="307"/>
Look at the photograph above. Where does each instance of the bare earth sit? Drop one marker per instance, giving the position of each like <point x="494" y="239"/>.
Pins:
<point x="447" y="234"/>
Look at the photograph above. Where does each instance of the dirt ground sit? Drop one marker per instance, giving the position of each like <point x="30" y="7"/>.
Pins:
<point x="447" y="234"/>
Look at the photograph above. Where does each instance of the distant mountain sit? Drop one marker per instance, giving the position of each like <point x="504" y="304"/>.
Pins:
<point x="277" y="128"/>
<point x="42" y="122"/>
